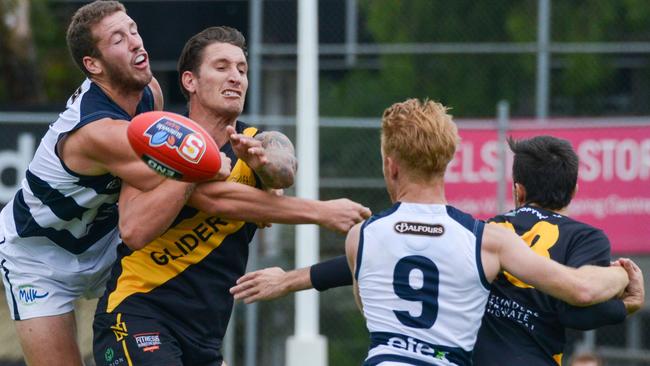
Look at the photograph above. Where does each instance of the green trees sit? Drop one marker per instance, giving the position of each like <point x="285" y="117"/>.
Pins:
<point x="472" y="83"/>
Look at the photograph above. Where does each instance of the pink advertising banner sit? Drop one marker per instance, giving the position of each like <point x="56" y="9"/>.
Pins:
<point x="613" y="183"/>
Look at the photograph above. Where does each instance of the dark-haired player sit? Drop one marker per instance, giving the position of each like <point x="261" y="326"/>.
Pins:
<point x="526" y="325"/>
<point x="167" y="302"/>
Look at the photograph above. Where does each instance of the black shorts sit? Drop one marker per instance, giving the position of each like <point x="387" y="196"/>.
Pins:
<point x="124" y="339"/>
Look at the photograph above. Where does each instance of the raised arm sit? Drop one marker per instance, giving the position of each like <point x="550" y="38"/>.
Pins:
<point x="270" y="154"/>
<point x="583" y="286"/>
<point x="102" y="147"/>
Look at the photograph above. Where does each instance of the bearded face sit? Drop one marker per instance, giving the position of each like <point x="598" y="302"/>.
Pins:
<point x="123" y="78"/>
<point x="123" y="62"/>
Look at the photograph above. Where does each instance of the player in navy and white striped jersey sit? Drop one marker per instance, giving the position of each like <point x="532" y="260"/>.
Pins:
<point x="60" y="229"/>
<point x="422" y="268"/>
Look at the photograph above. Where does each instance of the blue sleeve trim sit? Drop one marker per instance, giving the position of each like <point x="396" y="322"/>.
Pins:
<point x="476" y="227"/>
<point x="479" y="226"/>
<point x="360" y="249"/>
<point x="366" y="223"/>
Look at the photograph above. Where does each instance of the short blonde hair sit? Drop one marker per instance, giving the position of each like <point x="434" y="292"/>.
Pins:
<point x="421" y="135"/>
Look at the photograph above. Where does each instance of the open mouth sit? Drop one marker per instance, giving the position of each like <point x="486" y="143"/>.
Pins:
<point x="231" y="93"/>
<point x="140" y="60"/>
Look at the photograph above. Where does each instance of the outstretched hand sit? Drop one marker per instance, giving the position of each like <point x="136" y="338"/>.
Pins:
<point x="248" y="149"/>
<point x="341" y="214"/>
<point x="264" y="284"/>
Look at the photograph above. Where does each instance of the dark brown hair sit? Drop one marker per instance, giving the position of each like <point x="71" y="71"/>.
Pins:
<point x="81" y="42"/>
<point x="547" y="167"/>
<point x="192" y="54"/>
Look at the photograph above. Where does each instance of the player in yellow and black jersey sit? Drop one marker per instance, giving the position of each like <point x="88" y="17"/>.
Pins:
<point x="521" y="325"/>
<point x="170" y="299"/>
<point x="184" y="245"/>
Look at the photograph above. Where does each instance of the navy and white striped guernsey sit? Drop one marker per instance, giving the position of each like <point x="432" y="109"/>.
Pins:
<point x="422" y="284"/>
<point x="58" y="207"/>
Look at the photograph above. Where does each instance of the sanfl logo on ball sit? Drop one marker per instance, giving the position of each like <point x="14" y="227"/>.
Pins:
<point x="189" y="144"/>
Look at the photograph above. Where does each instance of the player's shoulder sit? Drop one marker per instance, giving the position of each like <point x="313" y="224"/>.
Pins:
<point x="463" y="218"/>
<point x="380" y="215"/>
<point x="571" y="228"/>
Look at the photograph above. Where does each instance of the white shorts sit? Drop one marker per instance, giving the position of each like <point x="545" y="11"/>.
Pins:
<point x="35" y="289"/>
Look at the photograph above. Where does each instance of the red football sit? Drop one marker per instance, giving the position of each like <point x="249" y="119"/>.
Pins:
<point x="174" y="146"/>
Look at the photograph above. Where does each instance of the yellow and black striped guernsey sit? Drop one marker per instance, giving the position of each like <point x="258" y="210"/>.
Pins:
<point x="524" y="326"/>
<point x="172" y="296"/>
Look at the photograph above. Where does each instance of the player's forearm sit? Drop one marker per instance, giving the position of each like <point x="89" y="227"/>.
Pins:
<point x="145" y="216"/>
<point x="241" y="202"/>
<point x="298" y="280"/>
<point x="597" y="284"/>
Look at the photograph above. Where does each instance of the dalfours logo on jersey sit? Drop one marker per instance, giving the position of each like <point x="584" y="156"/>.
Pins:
<point x="188" y="143"/>
<point x="418" y="228"/>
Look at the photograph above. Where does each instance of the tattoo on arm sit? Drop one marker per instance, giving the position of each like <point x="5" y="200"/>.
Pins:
<point x="280" y="170"/>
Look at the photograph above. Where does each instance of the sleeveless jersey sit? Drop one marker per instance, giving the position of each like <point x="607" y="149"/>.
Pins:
<point x="183" y="277"/>
<point x="422" y="284"/>
<point x="521" y="324"/>
<point x="58" y="208"/>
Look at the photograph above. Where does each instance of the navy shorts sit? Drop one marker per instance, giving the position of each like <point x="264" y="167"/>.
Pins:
<point x="124" y="339"/>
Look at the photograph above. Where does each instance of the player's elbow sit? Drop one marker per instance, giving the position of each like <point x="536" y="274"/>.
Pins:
<point x="279" y="175"/>
<point x="283" y="182"/>
<point x="132" y="237"/>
